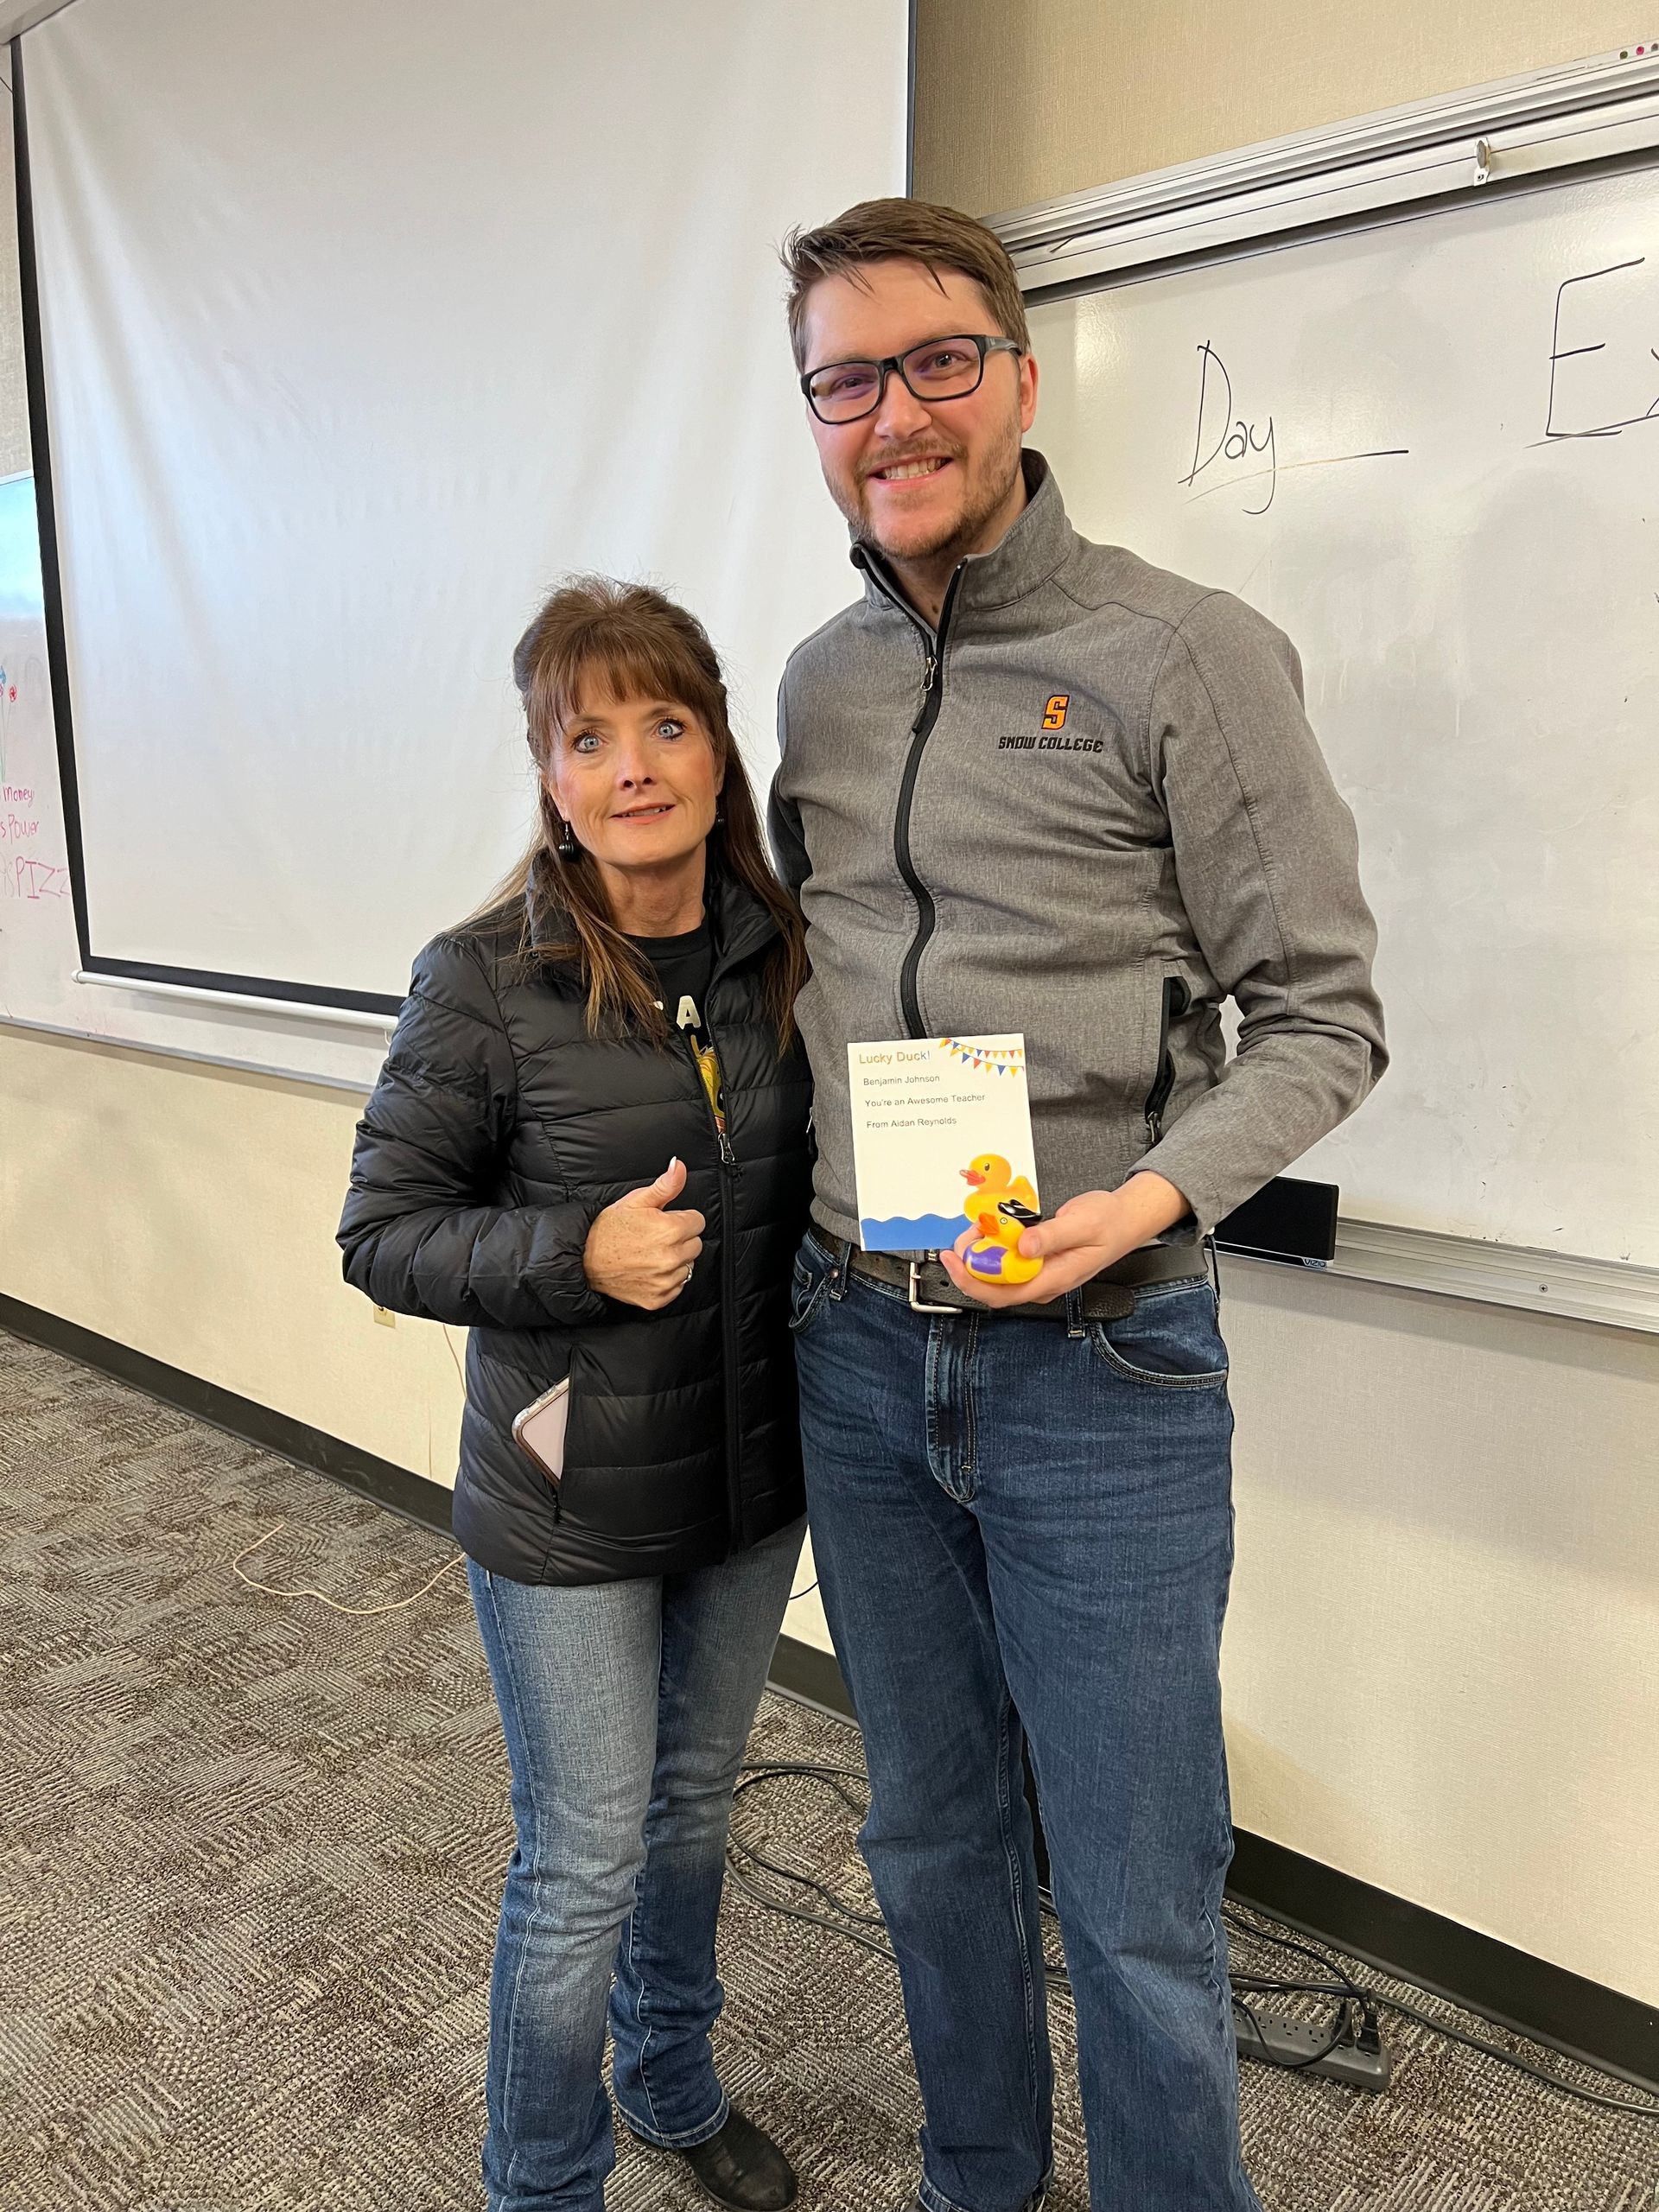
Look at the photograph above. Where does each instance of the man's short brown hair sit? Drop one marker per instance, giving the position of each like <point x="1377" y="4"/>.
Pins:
<point x="903" y="230"/>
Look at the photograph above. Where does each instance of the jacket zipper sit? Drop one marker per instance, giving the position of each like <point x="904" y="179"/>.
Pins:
<point x="1177" y="999"/>
<point x="920" y="730"/>
<point x="729" y="1170"/>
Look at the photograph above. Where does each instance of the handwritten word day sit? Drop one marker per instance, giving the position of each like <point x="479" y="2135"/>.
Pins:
<point x="1602" y="379"/>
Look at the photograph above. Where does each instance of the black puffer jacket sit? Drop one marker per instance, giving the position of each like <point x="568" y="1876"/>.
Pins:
<point x="500" y="1127"/>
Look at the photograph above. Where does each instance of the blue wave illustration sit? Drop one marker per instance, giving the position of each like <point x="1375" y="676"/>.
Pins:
<point x="922" y="1232"/>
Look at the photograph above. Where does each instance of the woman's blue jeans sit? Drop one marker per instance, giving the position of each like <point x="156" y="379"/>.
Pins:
<point x="625" y="1708"/>
<point x="1024" y="1530"/>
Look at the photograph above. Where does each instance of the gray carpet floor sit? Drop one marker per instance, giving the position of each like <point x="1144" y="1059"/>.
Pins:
<point x="252" y="1853"/>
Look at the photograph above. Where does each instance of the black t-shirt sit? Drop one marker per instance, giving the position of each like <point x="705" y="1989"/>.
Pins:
<point x="684" y="966"/>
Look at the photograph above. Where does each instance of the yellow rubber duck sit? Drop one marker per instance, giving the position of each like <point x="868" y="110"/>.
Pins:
<point x="1001" y="1206"/>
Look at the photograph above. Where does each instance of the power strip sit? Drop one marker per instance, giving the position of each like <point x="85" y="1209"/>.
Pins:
<point x="1275" y="2039"/>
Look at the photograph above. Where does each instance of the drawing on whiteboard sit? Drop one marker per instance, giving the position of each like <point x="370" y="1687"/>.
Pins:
<point x="1631" y="367"/>
<point x="25" y="878"/>
<point x="1233" y="440"/>
<point x="9" y="681"/>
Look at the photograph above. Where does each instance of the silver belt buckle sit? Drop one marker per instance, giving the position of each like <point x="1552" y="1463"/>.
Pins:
<point x="918" y="1304"/>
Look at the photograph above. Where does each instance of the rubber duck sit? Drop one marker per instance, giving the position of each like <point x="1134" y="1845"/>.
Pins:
<point x="1001" y="1206"/>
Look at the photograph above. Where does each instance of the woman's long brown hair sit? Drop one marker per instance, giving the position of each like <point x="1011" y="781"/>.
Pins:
<point x="628" y="641"/>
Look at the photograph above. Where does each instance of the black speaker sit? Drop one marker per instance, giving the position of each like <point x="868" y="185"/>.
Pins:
<point x="1288" y="1219"/>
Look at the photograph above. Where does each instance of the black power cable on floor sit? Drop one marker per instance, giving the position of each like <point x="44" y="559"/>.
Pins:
<point x="1352" y="1999"/>
<point x="737" y="1850"/>
<point x="853" y="1922"/>
<point x="1384" y="2003"/>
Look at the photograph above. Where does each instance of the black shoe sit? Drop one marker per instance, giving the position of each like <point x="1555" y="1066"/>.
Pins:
<point x="740" y="2167"/>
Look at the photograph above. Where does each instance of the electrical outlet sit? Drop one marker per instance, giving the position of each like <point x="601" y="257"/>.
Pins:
<point x="385" y="1317"/>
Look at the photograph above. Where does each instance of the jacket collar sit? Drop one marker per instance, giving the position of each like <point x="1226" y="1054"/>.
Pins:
<point x="741" y="924"/>
<point x="1040" y="543"/>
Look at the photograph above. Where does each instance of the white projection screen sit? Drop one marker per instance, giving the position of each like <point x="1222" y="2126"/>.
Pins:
<point x="359" y="325"/>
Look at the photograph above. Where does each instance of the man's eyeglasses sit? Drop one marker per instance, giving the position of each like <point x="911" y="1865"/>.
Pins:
<point x="944" y="368"/>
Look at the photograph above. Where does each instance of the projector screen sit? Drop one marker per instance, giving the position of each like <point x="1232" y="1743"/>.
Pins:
<point x="359" y="328"/>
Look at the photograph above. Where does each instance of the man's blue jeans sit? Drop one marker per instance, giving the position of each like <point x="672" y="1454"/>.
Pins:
<point x="625" y="1708"/>
<point x="1029" y="1522"/>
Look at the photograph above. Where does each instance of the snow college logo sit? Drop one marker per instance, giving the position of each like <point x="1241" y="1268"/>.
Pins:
<point x="1049" y="739"/>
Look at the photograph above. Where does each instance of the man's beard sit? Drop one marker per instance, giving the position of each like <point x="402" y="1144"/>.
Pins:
<point x="998" y="473"/>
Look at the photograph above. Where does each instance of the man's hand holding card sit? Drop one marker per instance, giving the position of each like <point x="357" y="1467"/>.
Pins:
<point x="942" y="1152"/>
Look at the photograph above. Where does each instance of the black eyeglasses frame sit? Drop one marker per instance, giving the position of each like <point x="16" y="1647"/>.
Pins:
<point x="894" y="364"/>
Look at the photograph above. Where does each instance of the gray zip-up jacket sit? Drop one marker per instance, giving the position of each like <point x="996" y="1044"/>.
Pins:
<point x="1089" y="807"/>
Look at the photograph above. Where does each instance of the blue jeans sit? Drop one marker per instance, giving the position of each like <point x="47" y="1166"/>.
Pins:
<point x="625" y="1708"/>
<point x="1024" y="1533"/>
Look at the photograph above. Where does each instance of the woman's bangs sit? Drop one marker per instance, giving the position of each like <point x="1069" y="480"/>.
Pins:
<point x="606" y="671"/>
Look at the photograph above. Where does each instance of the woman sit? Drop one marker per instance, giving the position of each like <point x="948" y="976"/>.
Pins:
<point x="590" y="1144"/>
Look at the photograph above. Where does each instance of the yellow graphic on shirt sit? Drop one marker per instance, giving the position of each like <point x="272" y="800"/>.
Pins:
<point x="708" y="1069"/>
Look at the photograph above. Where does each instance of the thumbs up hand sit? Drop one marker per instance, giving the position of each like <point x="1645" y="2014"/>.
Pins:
<point x="639" y="1250"/>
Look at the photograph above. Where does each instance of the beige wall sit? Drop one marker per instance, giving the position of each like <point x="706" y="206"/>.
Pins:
<point x="1022" y="100"/>
<point x="1442" y="1664"/>
<point x="190" y="1211"/>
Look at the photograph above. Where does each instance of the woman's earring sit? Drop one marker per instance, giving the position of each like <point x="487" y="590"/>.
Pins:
<point x="567" y="848"/>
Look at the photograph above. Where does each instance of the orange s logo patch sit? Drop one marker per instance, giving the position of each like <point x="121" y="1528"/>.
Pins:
<point x="1054" y="710"/>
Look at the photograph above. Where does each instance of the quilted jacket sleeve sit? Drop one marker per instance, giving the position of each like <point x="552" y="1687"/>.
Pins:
<point x="419" y="1233"/>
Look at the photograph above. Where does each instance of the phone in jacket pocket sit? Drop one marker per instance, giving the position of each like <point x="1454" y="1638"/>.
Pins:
<point x="538" y="1430"/>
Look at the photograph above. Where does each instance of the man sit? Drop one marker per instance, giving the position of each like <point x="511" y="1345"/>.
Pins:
<point x="1020" y="1496"/>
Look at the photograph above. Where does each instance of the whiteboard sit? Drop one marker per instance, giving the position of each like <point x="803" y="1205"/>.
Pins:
<point x="358" y="328"/>
<point x="1429" y="450"/>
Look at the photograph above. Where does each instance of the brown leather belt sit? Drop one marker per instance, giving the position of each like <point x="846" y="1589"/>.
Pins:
<point x="1108" y="1296"/>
